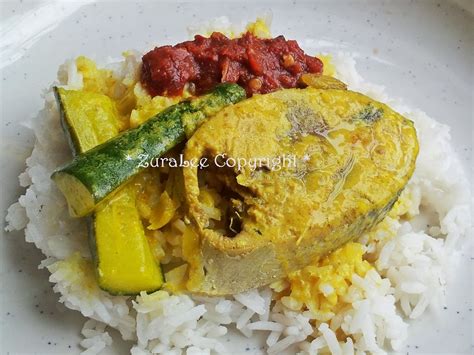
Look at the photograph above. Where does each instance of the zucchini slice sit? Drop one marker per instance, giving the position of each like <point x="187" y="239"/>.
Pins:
<point x="323" y="82"/>
<point x="119" y="247"/>
<point x="124" y="261"/>
<point x="88" y="118"/>
<point x="95" y="174"/>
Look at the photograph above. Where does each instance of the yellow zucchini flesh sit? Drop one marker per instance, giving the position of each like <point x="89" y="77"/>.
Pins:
<point x="88" y="118"/>
<point x="125" y="264"/>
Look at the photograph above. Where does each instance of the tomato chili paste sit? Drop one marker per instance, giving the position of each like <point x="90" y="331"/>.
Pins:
<point x="259" y="65"/>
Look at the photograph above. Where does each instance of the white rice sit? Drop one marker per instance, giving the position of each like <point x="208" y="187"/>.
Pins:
<point x="410" y="274"/>
<point x="95" y="337"/>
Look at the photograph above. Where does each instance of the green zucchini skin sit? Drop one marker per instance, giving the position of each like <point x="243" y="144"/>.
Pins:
<point x="103" y="169"/>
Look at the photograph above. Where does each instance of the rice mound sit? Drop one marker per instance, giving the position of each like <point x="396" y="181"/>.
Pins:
<point x="411" y="260"/>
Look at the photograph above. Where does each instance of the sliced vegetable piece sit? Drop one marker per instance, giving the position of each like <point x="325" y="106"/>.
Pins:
<point x="124" y="262"/>
<point x="99" y="172"/>
<point x="88" y="118"/>
<point x="323" y="82"/>
<point x="120" y="249"/>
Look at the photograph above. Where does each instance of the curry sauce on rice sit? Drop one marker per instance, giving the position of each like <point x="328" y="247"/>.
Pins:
<point x="319" y="256"/>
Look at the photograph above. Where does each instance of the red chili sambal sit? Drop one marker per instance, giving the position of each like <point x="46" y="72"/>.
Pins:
<point x="259" y="65"/>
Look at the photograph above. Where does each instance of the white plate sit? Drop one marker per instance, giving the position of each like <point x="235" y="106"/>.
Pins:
<point x="421" y="51"/>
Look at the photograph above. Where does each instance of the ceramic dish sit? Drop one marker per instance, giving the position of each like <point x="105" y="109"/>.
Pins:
<point x="384" y="39"/>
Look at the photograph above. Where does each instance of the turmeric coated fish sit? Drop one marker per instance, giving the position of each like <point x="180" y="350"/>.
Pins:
<point x="350" y="158"/>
